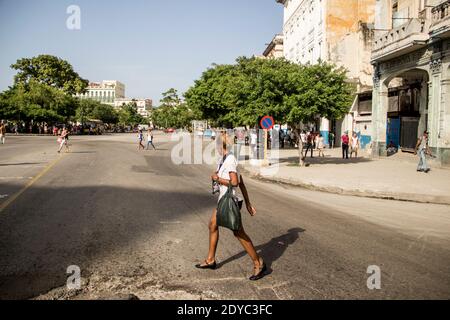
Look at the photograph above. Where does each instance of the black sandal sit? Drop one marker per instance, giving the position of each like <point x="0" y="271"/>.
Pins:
<point x="211" y="266"/>
<point x="261" y="274"/>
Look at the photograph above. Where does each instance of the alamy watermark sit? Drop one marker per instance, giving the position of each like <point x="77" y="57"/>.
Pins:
<point x="374" y="280"/>
<point x="74" y="279"/>
<point x="257" y="148"/>
<point x="73" y="22"/>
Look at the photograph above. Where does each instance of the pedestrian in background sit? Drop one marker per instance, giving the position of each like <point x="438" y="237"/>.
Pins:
<point x="140" y="139"/>
<point x="253" y="143"/>
<point x="345" y="145"/>
<point x="423" y="149"/>
<point x="355" y="145"/>
<point x="226" y="175"/>
<point x="150" y="139"/>
<point x="63" y="140"/>
<point x="320" y="145"/>
<point x="281" y="138"/>
<point x="331" y="140"/>
<point x="309" y="144"/>
<point x="3" y="132"/>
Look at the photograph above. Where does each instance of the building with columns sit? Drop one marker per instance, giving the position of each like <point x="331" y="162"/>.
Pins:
<point x="105" y="92"/>
<point x="411" y="58"/>
<point x="337" y="31"/>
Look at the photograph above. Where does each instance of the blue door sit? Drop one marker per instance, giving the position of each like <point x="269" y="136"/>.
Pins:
<point x="393" y="132"/>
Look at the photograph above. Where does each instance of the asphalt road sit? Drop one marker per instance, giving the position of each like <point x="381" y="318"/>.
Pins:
<point x="136" y="223"/>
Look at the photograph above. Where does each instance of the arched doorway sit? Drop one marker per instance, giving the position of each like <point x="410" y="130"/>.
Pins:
<point x="407" y="108"/>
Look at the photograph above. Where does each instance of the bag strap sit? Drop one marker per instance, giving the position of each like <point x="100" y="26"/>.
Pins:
<point x="225" y="157"/>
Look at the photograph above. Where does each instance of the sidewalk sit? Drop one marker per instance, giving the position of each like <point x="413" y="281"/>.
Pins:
<point x="393" y="178"/>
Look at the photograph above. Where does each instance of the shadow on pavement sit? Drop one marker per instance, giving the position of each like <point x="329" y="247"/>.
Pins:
<point x="325" y="160"/>
<point x="272" y="250"/>
<point x="48" y="229"/>
<point x="20" y="164"/>
<point x="82" y="152"/>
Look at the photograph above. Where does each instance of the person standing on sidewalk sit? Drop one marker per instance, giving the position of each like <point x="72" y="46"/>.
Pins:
<point x="2" y="132"/>
<point x="355" y="145"/>
<point x="345" y="145"/>
<point x="309" y="144"/>
<point x="331" y="140"/>
<point x="225" y="175"/>
<point x="423" y="149"/>
<point x="253" y="143"/>
<point x="150" y="139"/>
<point x="320" y="145"/>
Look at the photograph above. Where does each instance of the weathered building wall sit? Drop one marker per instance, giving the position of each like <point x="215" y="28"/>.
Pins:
<point x="353" y="52"/>
<point x="349" y="25"/>
<point x="344" y="16"/>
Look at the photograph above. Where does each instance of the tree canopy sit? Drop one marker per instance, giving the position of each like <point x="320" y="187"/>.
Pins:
<point x="38" y="102"/>
<point x="128" y="115"/>
<point x="173" y="113"/>
<point x="90" y="109"/>
<point x="239" y="94"/>
<point x="51" y="71"/>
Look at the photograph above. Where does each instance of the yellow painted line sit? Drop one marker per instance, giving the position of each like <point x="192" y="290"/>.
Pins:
<point x="6" y="204"/>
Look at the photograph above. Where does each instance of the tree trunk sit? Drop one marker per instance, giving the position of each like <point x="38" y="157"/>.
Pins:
<point x="301" y="160"/>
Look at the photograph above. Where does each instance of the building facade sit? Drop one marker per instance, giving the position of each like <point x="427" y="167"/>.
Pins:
<point x="105" y="92"/>
<point x="341" y="32"/>
<point x="411" y="57"/>
<point x="275" y="48"/>
<point x="144" y="106"/>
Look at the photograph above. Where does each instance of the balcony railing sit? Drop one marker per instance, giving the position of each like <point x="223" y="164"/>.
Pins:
<point x="440" y="16"/>
<point x="441" y="11"/>
<point x="401" y="40"/>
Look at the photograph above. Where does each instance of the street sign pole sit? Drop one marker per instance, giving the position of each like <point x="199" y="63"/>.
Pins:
<point x="266" y="140"/>
<point x="267" y="123"/>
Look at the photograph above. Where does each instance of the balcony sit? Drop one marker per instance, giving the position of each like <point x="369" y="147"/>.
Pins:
<point x="401" y="40"/>
<point x="440" y="20"/>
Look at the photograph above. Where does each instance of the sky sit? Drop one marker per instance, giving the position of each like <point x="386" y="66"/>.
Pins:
<point x="148" y="45"/>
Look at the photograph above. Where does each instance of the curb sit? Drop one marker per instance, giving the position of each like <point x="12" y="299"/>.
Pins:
<point x="407" y="197"/>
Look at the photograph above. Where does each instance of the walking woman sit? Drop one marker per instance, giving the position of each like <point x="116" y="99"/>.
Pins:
<point x="141" y="138"/>
<point x="150" y="139"/>
<point x="63" y="140"/>
<point x="225" y="175"/>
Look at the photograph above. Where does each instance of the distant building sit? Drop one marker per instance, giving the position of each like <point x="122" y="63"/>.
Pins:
<point x="341" y="32"/>
<point x="144" y="106"/>
<point x="275" y="49"/>
<point x="105" y="92"/>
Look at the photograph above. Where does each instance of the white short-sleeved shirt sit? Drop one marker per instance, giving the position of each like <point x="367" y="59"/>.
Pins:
<point x="230" y="165"/>
<point x="253" y="138"/>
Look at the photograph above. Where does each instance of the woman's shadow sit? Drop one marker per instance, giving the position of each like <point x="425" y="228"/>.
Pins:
<point x="272" y="250"/>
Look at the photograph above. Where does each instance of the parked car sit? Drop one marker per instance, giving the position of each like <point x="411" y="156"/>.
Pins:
<point x="169" y="130"/>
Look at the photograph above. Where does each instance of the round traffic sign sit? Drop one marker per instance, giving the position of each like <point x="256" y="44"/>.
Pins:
<point x="267" y="122"/>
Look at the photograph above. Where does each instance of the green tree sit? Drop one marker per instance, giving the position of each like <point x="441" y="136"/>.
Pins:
<point x="90" y="109"/>
<point x="85" y="109"/>
<point x="38" y="102"/>
<point x="105" y="113"/>
<point x="241" y="93"/>
<point x="128" y="115"/>
<point x="51" y="71"/>
<point x="173" y="112"/>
